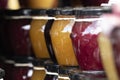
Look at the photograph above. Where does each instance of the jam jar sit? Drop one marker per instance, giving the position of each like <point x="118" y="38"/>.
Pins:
<point x="22" y="70"/>
<point x="39" y="71"/>
<point x="3" y="4"/>
<point x="42" y="4"/>
<point x="84" y="38"/>
<point x="52" y="72"/>
<point x="37" y="35"/>
<point x="60" y="37"/>
<point x="8" y="67"/>
<point x="109" y="41"/>
<point x="17" y="28"/>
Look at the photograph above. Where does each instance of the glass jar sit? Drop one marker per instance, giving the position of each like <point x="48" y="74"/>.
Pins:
<point x="37" y="36"/>
<point x="60" y="37"/>
<point x="42" y="4"/>
<point x="109" y="41"/>
<point x="22" y="71"/>
<point x="17" y="29"/>
<point x="3" y="4"/>
<point x="84" y="38"/>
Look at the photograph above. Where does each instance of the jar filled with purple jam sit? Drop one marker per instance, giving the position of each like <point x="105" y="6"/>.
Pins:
<point x="84" y="38"/>
<point x="17" y="31"/>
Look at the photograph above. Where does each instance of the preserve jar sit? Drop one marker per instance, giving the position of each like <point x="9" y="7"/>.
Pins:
<point x="52" y="72"/>
<point x="22" y="70"/>
<point x="17" y="30"/>
<point x="84" y="38"/>
<point x="3" y="4"/>
<point x="60" y="37"/>
<point x="37" y="36"/>
<point x="109" y="41"/>
<point x="42" y="4"/>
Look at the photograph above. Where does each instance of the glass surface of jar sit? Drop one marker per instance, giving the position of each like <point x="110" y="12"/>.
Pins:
<point x="60" y="37"/>
<point x="42" y="4"/>
<point x="22" y="71"/>
<point x="3" y="4"/>
<point x="84" y="37"/>
<point x="17" y="30"/>
<point x="37" y="36"/>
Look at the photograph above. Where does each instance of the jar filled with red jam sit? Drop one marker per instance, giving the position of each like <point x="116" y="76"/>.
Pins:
<point x="84" y="38"/>
<point x="3" y="4"/>
<point x="17" y="29"/>
<point x="22" y="70"/>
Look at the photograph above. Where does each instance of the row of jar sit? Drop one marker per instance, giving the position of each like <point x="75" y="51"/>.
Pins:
<point x="50" y="39"/>
<point x="68" y="41"/>
<point x="26" y="69"/>
<point x="16" y="4"/>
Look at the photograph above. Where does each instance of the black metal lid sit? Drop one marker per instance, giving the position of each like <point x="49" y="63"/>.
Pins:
<point x="2" y="73"/>
<point x="91" y="10"/>
<point x="52" y="68"/>
<point x="54" y="11"/>
<point x="67" y="11"/>
<point x="25" y="12"/>
<point x="23" y="59"/>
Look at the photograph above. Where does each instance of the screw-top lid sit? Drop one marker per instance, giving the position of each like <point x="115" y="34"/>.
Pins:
<point x="2" y="73"/>
<point x="53" y="12"/>
<point x="91" y="11"/>
<point x="52" y="68"/>
<point x="67" y="11"/>
<point x="23" y="59"/>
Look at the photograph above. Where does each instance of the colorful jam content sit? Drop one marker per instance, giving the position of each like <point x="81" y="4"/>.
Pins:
<point x="3" y="4"/>
<point x="84" y="38"/>
<point x="93" y="2"/>
<point x="62" y="45"/>
<point x="18" y="33"/>
<point x="38" y="39"/>
<point x="44" y="4"/>
<point x="21" y="73"/>
<point x="38" y="75"/>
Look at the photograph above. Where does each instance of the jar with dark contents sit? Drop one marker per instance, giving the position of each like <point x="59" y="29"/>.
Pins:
<point x="37" y="36"/>
<point x="8" y="67"/>
<point x="17" y="29"/>
<point x="84" y="38"/>
<point x="60" y="38"/>
<point x="52" y="72"/>
<point x="22" y="70"/>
